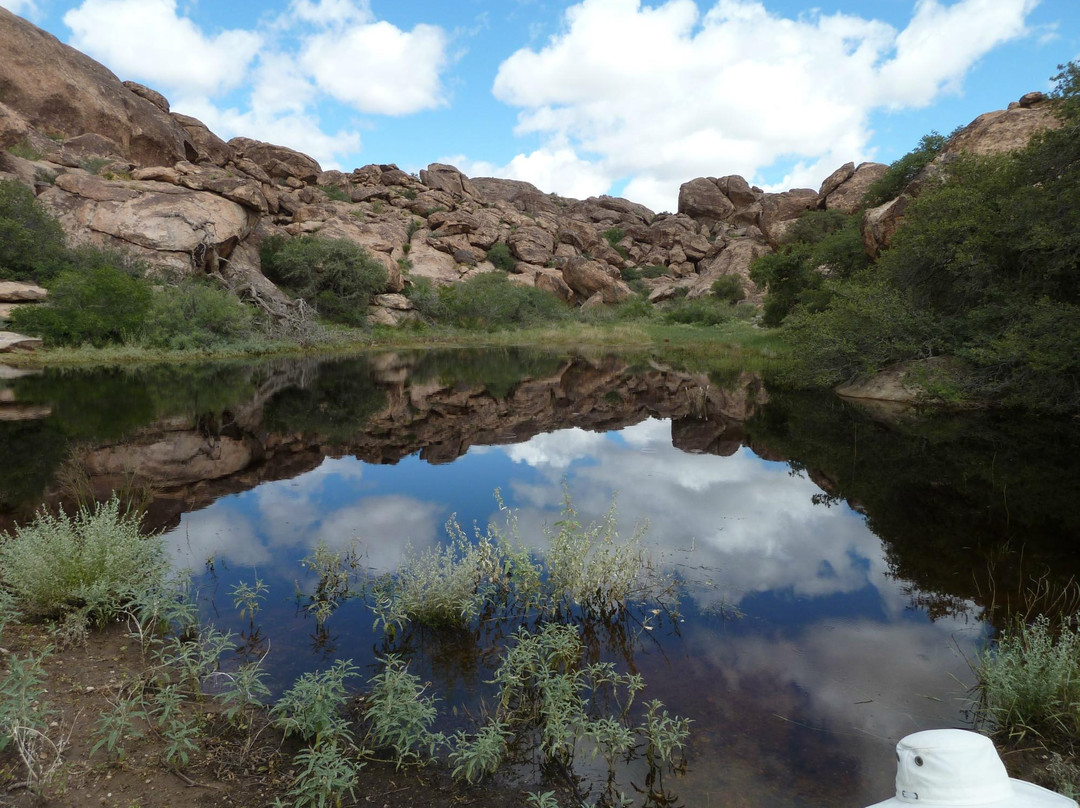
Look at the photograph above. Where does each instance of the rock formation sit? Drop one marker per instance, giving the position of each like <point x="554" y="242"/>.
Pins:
<point x="118" y="167"/>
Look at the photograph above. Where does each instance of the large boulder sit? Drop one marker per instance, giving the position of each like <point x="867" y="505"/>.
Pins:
<point x="58" y="91"/>
<point x="166" y="224"/>
<point x="1003" y="130"/>
<point x="734" y="259"/>
<point x="880" y="224"/>
<point x="208" y="146"/>
<point x="847" y="196"/>
<point x="533" y="245"/>
<point x="702" y="199"/>
<point x="441" y="177"/>
<point x="280" y="162"/>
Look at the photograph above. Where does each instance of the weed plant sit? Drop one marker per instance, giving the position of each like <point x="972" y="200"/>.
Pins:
<point x="1030" y="682"/>
<point x="313" y="708"/>
<point x="96" y="562"/>
<point x="400" y="714"/>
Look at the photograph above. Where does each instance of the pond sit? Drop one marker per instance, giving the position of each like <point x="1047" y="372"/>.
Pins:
<point x="838" y="568"/>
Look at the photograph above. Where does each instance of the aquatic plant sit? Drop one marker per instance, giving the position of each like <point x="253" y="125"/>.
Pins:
<point x="96" y="562"/>
<point x="1029" y="681"/>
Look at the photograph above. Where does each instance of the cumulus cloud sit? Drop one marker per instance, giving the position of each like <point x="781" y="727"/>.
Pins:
<point x="376" y="67"/>
<point x="24" y="8"/>
<point x="661" y="94"/>
<point x="313" y="51"/>
<point x="150" y="40"/>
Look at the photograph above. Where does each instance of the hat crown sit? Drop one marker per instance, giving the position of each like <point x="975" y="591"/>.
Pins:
<point x="950" y="767"/>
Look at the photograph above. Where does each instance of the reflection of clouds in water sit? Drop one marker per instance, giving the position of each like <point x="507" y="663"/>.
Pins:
<point x="215" y="532"/>
<point x="859" y="676"/>
<point x="752" y="524"/>
<point x="387" y="528"/>
<point x="556" y="450"/>
<point x="267" y="526"/>
<point x="852" y="687"/>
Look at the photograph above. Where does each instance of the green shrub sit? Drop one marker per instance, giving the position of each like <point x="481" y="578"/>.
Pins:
<point x="1030" y="682"/>
<point x="500" y="256"/>
<point x="613" y="235"/>
<point x="729" y="288"/>
<point x="196" y="315"/>
<point x="337" y="194"/>
<point x="892" y="183"/>
<point x="336" y="276"/>
<point x="705" y="311"/>
<point x="822" y="244"/>
<point x="313" y="708"/>
<point x="25" y="150"/>
<point x="95" y="562"/>
<point x="98" y="305"/>
<point x="400" y="715"/>
<point x="490" y="301"/>
<point x="867" y="324"/>
<point x="31" y="241"/>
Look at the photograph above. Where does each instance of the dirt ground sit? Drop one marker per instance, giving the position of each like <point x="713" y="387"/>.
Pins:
<point x="83" y="680"/>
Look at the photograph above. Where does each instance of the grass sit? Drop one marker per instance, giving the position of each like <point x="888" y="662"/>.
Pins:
<point x="738" y="341"/>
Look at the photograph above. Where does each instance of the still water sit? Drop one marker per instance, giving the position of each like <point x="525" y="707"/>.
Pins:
<point x="839" y="568"/>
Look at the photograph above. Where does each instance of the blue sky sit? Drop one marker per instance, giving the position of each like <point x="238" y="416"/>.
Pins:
<point x="618" y="96"/>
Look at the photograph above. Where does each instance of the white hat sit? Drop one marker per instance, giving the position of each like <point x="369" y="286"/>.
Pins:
<point x="955" y="767"/>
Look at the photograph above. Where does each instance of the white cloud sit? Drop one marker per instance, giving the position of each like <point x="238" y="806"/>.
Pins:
<point x="662" y="94"/>
<point x="24" y="8"/>
<point x="331" y="12"/>
<point x="148" y="40"/>
<point x="552" y="168"/>
<point x="377" y="68"/>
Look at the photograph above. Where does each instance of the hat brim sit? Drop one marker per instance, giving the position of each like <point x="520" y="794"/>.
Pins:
<point x="1025" y="795"/>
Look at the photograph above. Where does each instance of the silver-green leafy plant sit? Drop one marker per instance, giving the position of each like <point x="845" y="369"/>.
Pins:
<point x="326" y="774"/>
<point x="400" y="713"/>
<point x="248" y="598"/>
<point x="336" y="575"/>
<point x="313" y="708"/>
<point x="123" y="724"/>
<point x="479" y="756"/>
<point x="96" y="560"/>
<point x="1029" y="682"/>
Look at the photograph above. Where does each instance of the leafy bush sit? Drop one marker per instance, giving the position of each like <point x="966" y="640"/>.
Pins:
<point x="729" y="288"/>
<point x="313" y="708"/>
<point x="892" y="183"/>
<point x="613" y="235"/>
<point x="823" y="244"/>
<point x="400" y="715"/>
<point x="706" y="311"/>
<point x="490" y="301"/>
<point x="500" y="256"/>
<point x="97" y="305"/>
<point x="196" y="315"/>
<point x="337" y="194"/>
<point x="1030" y="682"/>
<point x="336" y="276"/>
<point x="867" y="324"/>
<point x="31" y="241"/>
<point x="95" y="562"/>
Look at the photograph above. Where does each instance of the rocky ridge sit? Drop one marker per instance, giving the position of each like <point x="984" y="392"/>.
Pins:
<point x="118" y="168"/>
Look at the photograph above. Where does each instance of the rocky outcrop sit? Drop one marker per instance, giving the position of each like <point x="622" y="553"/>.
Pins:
<point x="846" y="195"/>
<point x="1003" y="130"/>
<point x="167" y="224"/>
<point x="992" y="133"/>
<point x="118" y="167"/>
<point x="11" y="342"/>
<point x="53" y="91"/>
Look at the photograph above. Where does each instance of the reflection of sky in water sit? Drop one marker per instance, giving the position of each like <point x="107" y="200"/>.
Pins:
<point x="797" y="702"/>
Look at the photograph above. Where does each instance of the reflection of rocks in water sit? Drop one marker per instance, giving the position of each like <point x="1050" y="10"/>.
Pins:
<point x="390" y="406"/>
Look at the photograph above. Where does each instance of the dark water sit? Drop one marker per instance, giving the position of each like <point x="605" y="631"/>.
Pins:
<point x="840" y="567"/>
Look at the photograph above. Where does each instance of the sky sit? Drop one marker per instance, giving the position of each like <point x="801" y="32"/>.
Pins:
<point x="627" y="97"/>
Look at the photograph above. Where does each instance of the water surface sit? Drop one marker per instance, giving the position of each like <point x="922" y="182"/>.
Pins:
<point x="839" y="569"/>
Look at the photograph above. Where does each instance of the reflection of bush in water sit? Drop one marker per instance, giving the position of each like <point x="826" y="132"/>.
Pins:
<point x="109" y="403"/>
<point x="336" y="405"/>
<point x="498" y="370"/>
<point x="39" y="448"/>
<point x="940" y="490"/>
